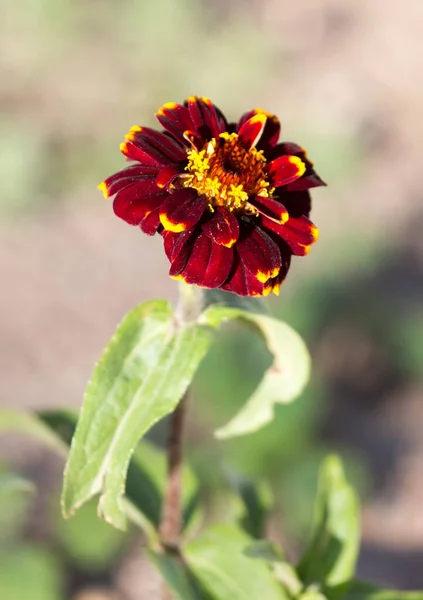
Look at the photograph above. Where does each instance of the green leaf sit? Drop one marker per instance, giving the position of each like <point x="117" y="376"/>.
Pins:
<point x="61" y="421"/>
<point x="178" y="577"/>
<point x="264" y="550"/>
<point x="89" y="542"/>
<point x="30" y="572"/>
<point x="218" y="561"/>
<point x="27" y="424"/>
<point x="14" y="500"/>
<point x="283" y="571"/>
<point x="146" y="473"/>
<point x="282" y="382"/>
<point x="146" y="482"/>
<point x="363" y="590"/>
<point x="331" y="557"/>
<point x="312" y="593"/>
<point x="257" y="500"/>
<point x="140" y="378"/>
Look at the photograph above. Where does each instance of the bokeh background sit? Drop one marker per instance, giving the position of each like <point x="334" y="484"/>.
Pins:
<point x="344" y="78"/>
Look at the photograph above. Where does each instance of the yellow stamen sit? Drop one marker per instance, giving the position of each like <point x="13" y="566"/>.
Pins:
<point x="227" y="173"/>
<point x="237" y="196"/>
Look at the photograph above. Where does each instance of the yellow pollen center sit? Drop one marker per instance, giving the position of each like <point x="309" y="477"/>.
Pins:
<point x="227" y="173"/>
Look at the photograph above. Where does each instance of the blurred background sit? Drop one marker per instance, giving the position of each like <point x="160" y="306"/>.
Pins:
<point x="343" y="77"/>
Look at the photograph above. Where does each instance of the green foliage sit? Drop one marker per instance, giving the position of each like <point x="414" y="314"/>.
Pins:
<point x="15" y="493"/>
<point x="143" y="373"/>
<point x="218" y="560"/>
<point x="256" y="501"/>
<point x="27" y="424"/>
<point x="282" y="382"/>
<point x="178" y="577"/>
<point x="264" y="550"/>
<point x="140" y="378"/>
<point x="360" y="590"/>
<point x="29" y="572"/>
<point x="88" y="541"/>
<point x="146" y="481"/>
<point x="144" y="485"/>
<point x="332" y="553"/>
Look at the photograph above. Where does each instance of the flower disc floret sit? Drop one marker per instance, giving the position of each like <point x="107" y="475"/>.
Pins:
<point x="227" y="173"/>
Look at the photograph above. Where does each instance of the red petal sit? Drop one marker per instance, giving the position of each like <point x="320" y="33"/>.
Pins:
<point x="166" y="176"/>
<point x="260" y="255"/>
<point x="310" y="178"/>
<point x="182" y="209"/>
<point x="195" y="141"/>
<point x="130" y="150"/>
<point x="296" y="203"/>
<point x="176" y="119"/>
<point x="272" y="209"/>
<point x="223" y="227"/>
<point x="286" y="254"/>
<point x="242" y="282"/>
<point x="306" y="182"/>
<point x="122" y="179"/>
<point x="285" y="169"/>
<point x="134" y="203"/>
<point x="251" y="131"/>
<point x="207" y="118"/>
<point x="209" y="264"/>
<point x="298" y="233"/>
<point x="158" y="145"/>
<point x="151" y="222"/>
<point x="272" y="128"/>
<point x="175" y="242"/>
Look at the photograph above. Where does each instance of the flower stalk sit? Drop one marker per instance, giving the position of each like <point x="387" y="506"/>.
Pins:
<point x="189" y="309"/>
<point x="171" y="524"/>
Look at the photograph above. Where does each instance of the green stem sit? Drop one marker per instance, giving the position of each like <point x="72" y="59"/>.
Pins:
<point x="190" y="305"/>
<point x="170" y="528"/>
<point x="189" y="309"/>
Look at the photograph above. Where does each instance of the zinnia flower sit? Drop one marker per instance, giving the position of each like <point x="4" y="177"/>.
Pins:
<point x="230" y="202"/>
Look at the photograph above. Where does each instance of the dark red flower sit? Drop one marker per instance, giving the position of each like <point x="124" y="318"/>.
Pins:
<point x="231" y="203"/>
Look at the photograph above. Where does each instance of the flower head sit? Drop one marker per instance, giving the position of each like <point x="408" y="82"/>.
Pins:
<point x="230" y="202"/>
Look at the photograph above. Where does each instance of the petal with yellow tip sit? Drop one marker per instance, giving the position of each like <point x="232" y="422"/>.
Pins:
<point x="206" y="117"/>
<point x="209" y="264"/>
<point x="182" y="209"/>
<point x="260" y="254"/>
<point x="270" y="208"/>
<point x="137" y="201"/>
<point x="103" y="188"/>
<point x="285" y="169"/>
<point x="270" y="134"/>
<point x="251" y="131"/>
<point x="298" y="233"/>
<point x="176" y="119"/>
<point x="222" y="227"/>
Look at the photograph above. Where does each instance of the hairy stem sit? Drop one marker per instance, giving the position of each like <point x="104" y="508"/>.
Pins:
<point x="188" y="310"/>
<point x="170" y="527"/>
